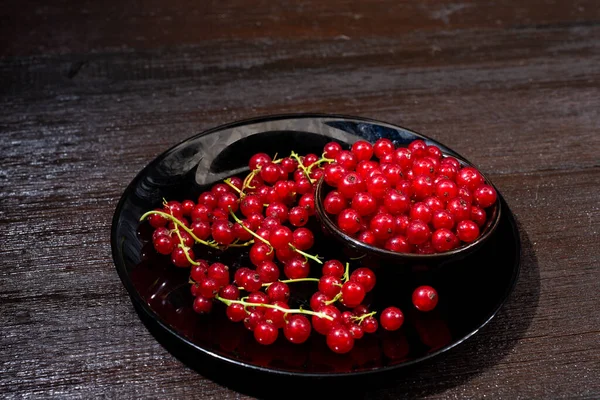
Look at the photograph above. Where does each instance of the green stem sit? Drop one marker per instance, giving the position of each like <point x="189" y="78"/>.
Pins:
<point x="315" y="258"/>
<point x="302" y="167"/>
<point x="239" y="221"/>
<point x="319" y="162"/>
<point x="185" y="248"/>
<point x="276" y="307"/>
<point x="179" y="224"/>
<point x="360" y="319"/>
<point x="248" y="243"/>
<point x="231" y="185"/>
<point x="293" y="281"/>
<point x="346" y="275"/>
<point x="336" y="298"/>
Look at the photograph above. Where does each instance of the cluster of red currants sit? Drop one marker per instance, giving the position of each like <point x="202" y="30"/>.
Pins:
<point x="408" y="199"/>
<point x="267" y="212"/>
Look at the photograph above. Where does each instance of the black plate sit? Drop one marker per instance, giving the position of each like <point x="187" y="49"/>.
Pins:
<point x="471" y="290"/>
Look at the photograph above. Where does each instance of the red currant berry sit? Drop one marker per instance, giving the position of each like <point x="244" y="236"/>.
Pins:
<point x="418" y="148"/>
<point x="307" y="201"/>
<point x="470" y="178"/>
<point x="417" y="232"/>
<point x="334" y="203"/>
<point x="364" y="203"/>
<point x="164" y="244"/>
<point x="382" y="147"/>
<point x="425" y="298"/>
<point x="220" y="189"/>
<point x="333" y="174"/>
<point x="353" y="293"/>
<point x="251" y="204"/>
<point x="396" y="202"/>
<point x="220" y="273"/>
<point x="289" y="165"/>
<point x="330" y="285"/>
<point x="424" y="166"/>
<point x="465" y="194"/>
<point x="303" y="239"/>
<point x="156" y="220"/>
<point x="459" y="208"/>
<point x="367" y="237"/>
<point x="391" y="319"/>
<point x="199" y="272"/>
<point x="443" y="240"/>
<point x="303" y="186"/>
<point x="276" y="316"/>
<point x="434" y="203"/>
<point x="478" y="215"/>
<point x="179" y="258"/>
<point x="446" y="190"/>
<point x="369" y="325"/>
<point x="378" y="185"/>
<point x="222" y="232"/>
<point x="422" y="187"/>
<point x="236" y="312"/>
<point x="363" y="150"/>
<point x="403" y="157"/>
<point x="174" y="208"/>
<point x="467" y="231"/>
<point x="442" y="219"/>
<point x="209" y="288"/>
<point x="280" y="237"/>
<point x="208" y="199"/>
<point x="323" y="325"/>
<point x="219" y="215"/>
<point x="285" y="253"/>
<point x="332" y="149"/>
<point x="261" y="252"/>
<point x="253" y="319"/>
<point x="202" y="305"/>
<point x="268" y="271"/>
<point x="278" y="291"/>
<point x="434" y="152"/>
<point x="364" y="168"/>
<point x="485" y="196"/>
<point x="339" y="340"/>
<point x="350" y="185"/>
<point x="318" y="300"/>
<point x="401" y="224"/>
<point x="364" y="276"/>
<point x="277" y="210"/>
<point x="239" y="275"/>
<point x="265" y="333"/>
<point x="398" y="243"/>
<point x="271" y="173"/>
<point x="382" y="226"/>
<point x="228" y="202"/>
<point x="296" y="268"/>
<point x="229" y="292"/>
<point x="333" y="268"/>
<point x="356" y="331"/>
<point x="449" y="160"/>
<point x="347" y="160"/>
<point x="187" y="207"/>
<point x="309" y="159"/>
<point x="405" y="186"/>
<point x="251" y="282"/>
<point x="201" y="229"/>
<point x="420" y="211"/>
<point x="349" y="221"/>
<point x="297" y="330"/>
<point x="258" y="160"/>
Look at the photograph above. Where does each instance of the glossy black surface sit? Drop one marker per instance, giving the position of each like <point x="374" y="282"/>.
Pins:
<point x="471" y="290"/>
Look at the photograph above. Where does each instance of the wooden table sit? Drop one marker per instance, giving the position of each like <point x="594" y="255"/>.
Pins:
<point x="92" y="91"/>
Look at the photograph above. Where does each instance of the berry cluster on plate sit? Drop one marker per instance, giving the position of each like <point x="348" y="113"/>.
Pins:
<point x="384" y="196"/>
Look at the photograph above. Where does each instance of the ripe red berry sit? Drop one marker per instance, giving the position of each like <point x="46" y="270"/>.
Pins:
<point x="324" y="325"/>
<point x="209" y="288"/>
<point x="353" y="293"/>
<point x="417" y="232"/>
<point x="333" y="174"/>
<point x="370" y="325"/>
<point x="347" y="160"/>
<point x="164" y="244"/>
<point x="365" y="276"/>
<point x="277" y="210"/>
<point x="398" y="244"/>
<point x="332" y="149"/>
<point x="281" y="237"/>
<point x="478" y="215"/>
<point x="364" y="203"/>
<point x="485" y="196"/>
<point x="418" y="148"/>
<point x="420" y="211"/>
<point x="329" y="285"/>
<point x="422" y="187"/>
<point x="265" y="333"/>
<point x="202" y="305"/>
<point x="382" y="147"/>
<point x="296" y="268"/>
<point x="219" y="272"/>
<point x="258" y="160"/>
<point x="351" y="184"/>
<point x="276" y="316"/>
<point x="339" y="340"/>
<point x="268" y="271"/>
<point x="334" y="203"/>
<point x="228" y="202"/>
<point x="251" y="282"/>
<point x="443" y="240"/>
<point x="382" y="225"/>
<point x="317" y="300"/>
<point x="459" y="208"/>
<point x="260" y="252"/>
<point x="303" y="239"/>
<point x="251" y="204"/>
<point x="208" y="199"/>
<point x="442" y="219"/>
<point x="307" y="201"/>
<point x="424" y="166"/>
<point x="425" y="298"/>
<point x="363" y="150"/>
<point x="333" y="268"/>
<point x="297" y="329"/>
<point x="271" y="173"/>
<point x="179" y="258"/>
<point x="469" y="177"/>
<point x="401" y="224"/>
<point x="378" y="185"/>
<point x="403" y="157"/>
<point x="230" y="292"/>
<point x="467" y="231"/>
<point x="278" y="291"/>
<point x="391" y="319"/>
<point x="349" y="221"/>
<point x="364" y="168"/>
<point x="396" y="202"/>
<point x="222" y="232"/>
<point x="156" y="220"/>
<point x="367" y="237"/>
<point x="236" y="312"/>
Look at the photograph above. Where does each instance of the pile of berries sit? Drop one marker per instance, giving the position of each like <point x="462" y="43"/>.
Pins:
<point x="408" y="199"/>
<point x="266" y="214"/>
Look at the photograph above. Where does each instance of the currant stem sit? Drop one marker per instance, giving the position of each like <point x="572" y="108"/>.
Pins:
<point x="283" y="310"/>
<point x="292" y="281"/>
<point x="239" y="221"/>
<point x="363" y="317"/>
<point x="346" y="275"/>
<point x="248" y="243"/>
<point x="319" y="162"/>
<point x="231" y="185"/>
<point x="336" y="298"/>
<point x="179" y="224"/>
<point x="302" y="167"/>
<point x="315" y="258"/>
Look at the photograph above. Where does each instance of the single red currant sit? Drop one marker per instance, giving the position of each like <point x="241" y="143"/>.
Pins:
<point x="382" y="147"/>
<point x="349" y="221"/>
<point x="398" y="243"/>
<point x="236" y="312"/>
<point x="297" y="329"/>
<point x="222" y="232"/>
<point x="353" y="293"/>
<point x="425" y="298"/>
<point x="364" y="203"/>
<point x="333" y="268"/>
<point x="303" y="239"/>
<point x="391" y="319"/>
<point x="332" y="149"/>
<point x="324" y="325"/>
<point x="443" y="240"/>
<point x="220" y="273"/>
<point x="268" y="271"/>
<point x="485" y="196"/>
<point x="261" y="252"/>
<point x="417" y="232"/>
<point x="296" y="268"/>
<point x="265" y="333"/>
<point x="382" y="226"/>
<point x="229" y="292"/>
<point x="364" y="276"/>
<point x="467" y="231"/>
<point x="363" y="150"/>
<point x="330" y="285"/>
<point x="278" y="291"/>
<point x="339" y="340"/>
<point x="347" y="160"/>
<point x="202" y="305"/>
<point x="334" y="203"/>
<point x="442" y="219"/>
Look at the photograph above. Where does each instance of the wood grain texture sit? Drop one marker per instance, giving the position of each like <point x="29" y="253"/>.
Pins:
<point x="90" y="92"/>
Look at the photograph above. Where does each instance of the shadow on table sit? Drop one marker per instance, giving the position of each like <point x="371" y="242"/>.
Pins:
<point x="450" y="369"/>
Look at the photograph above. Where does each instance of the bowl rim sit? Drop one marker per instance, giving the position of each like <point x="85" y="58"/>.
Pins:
<point x="489" y="227"/>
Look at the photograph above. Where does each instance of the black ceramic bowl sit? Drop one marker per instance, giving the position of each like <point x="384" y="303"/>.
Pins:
<point x="394" y="258"/>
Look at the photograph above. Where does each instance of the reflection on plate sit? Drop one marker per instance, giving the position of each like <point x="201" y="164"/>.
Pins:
<point x="471" y="290"/>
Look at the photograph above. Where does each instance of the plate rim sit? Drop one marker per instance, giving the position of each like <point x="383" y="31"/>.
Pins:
<point x="143" y="306"/>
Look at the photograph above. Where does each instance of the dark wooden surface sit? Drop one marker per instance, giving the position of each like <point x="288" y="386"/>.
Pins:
<point x="92" y="91"/>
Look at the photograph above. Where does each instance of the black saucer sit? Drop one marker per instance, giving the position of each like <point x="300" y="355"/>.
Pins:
<point x="471" y="290"/>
